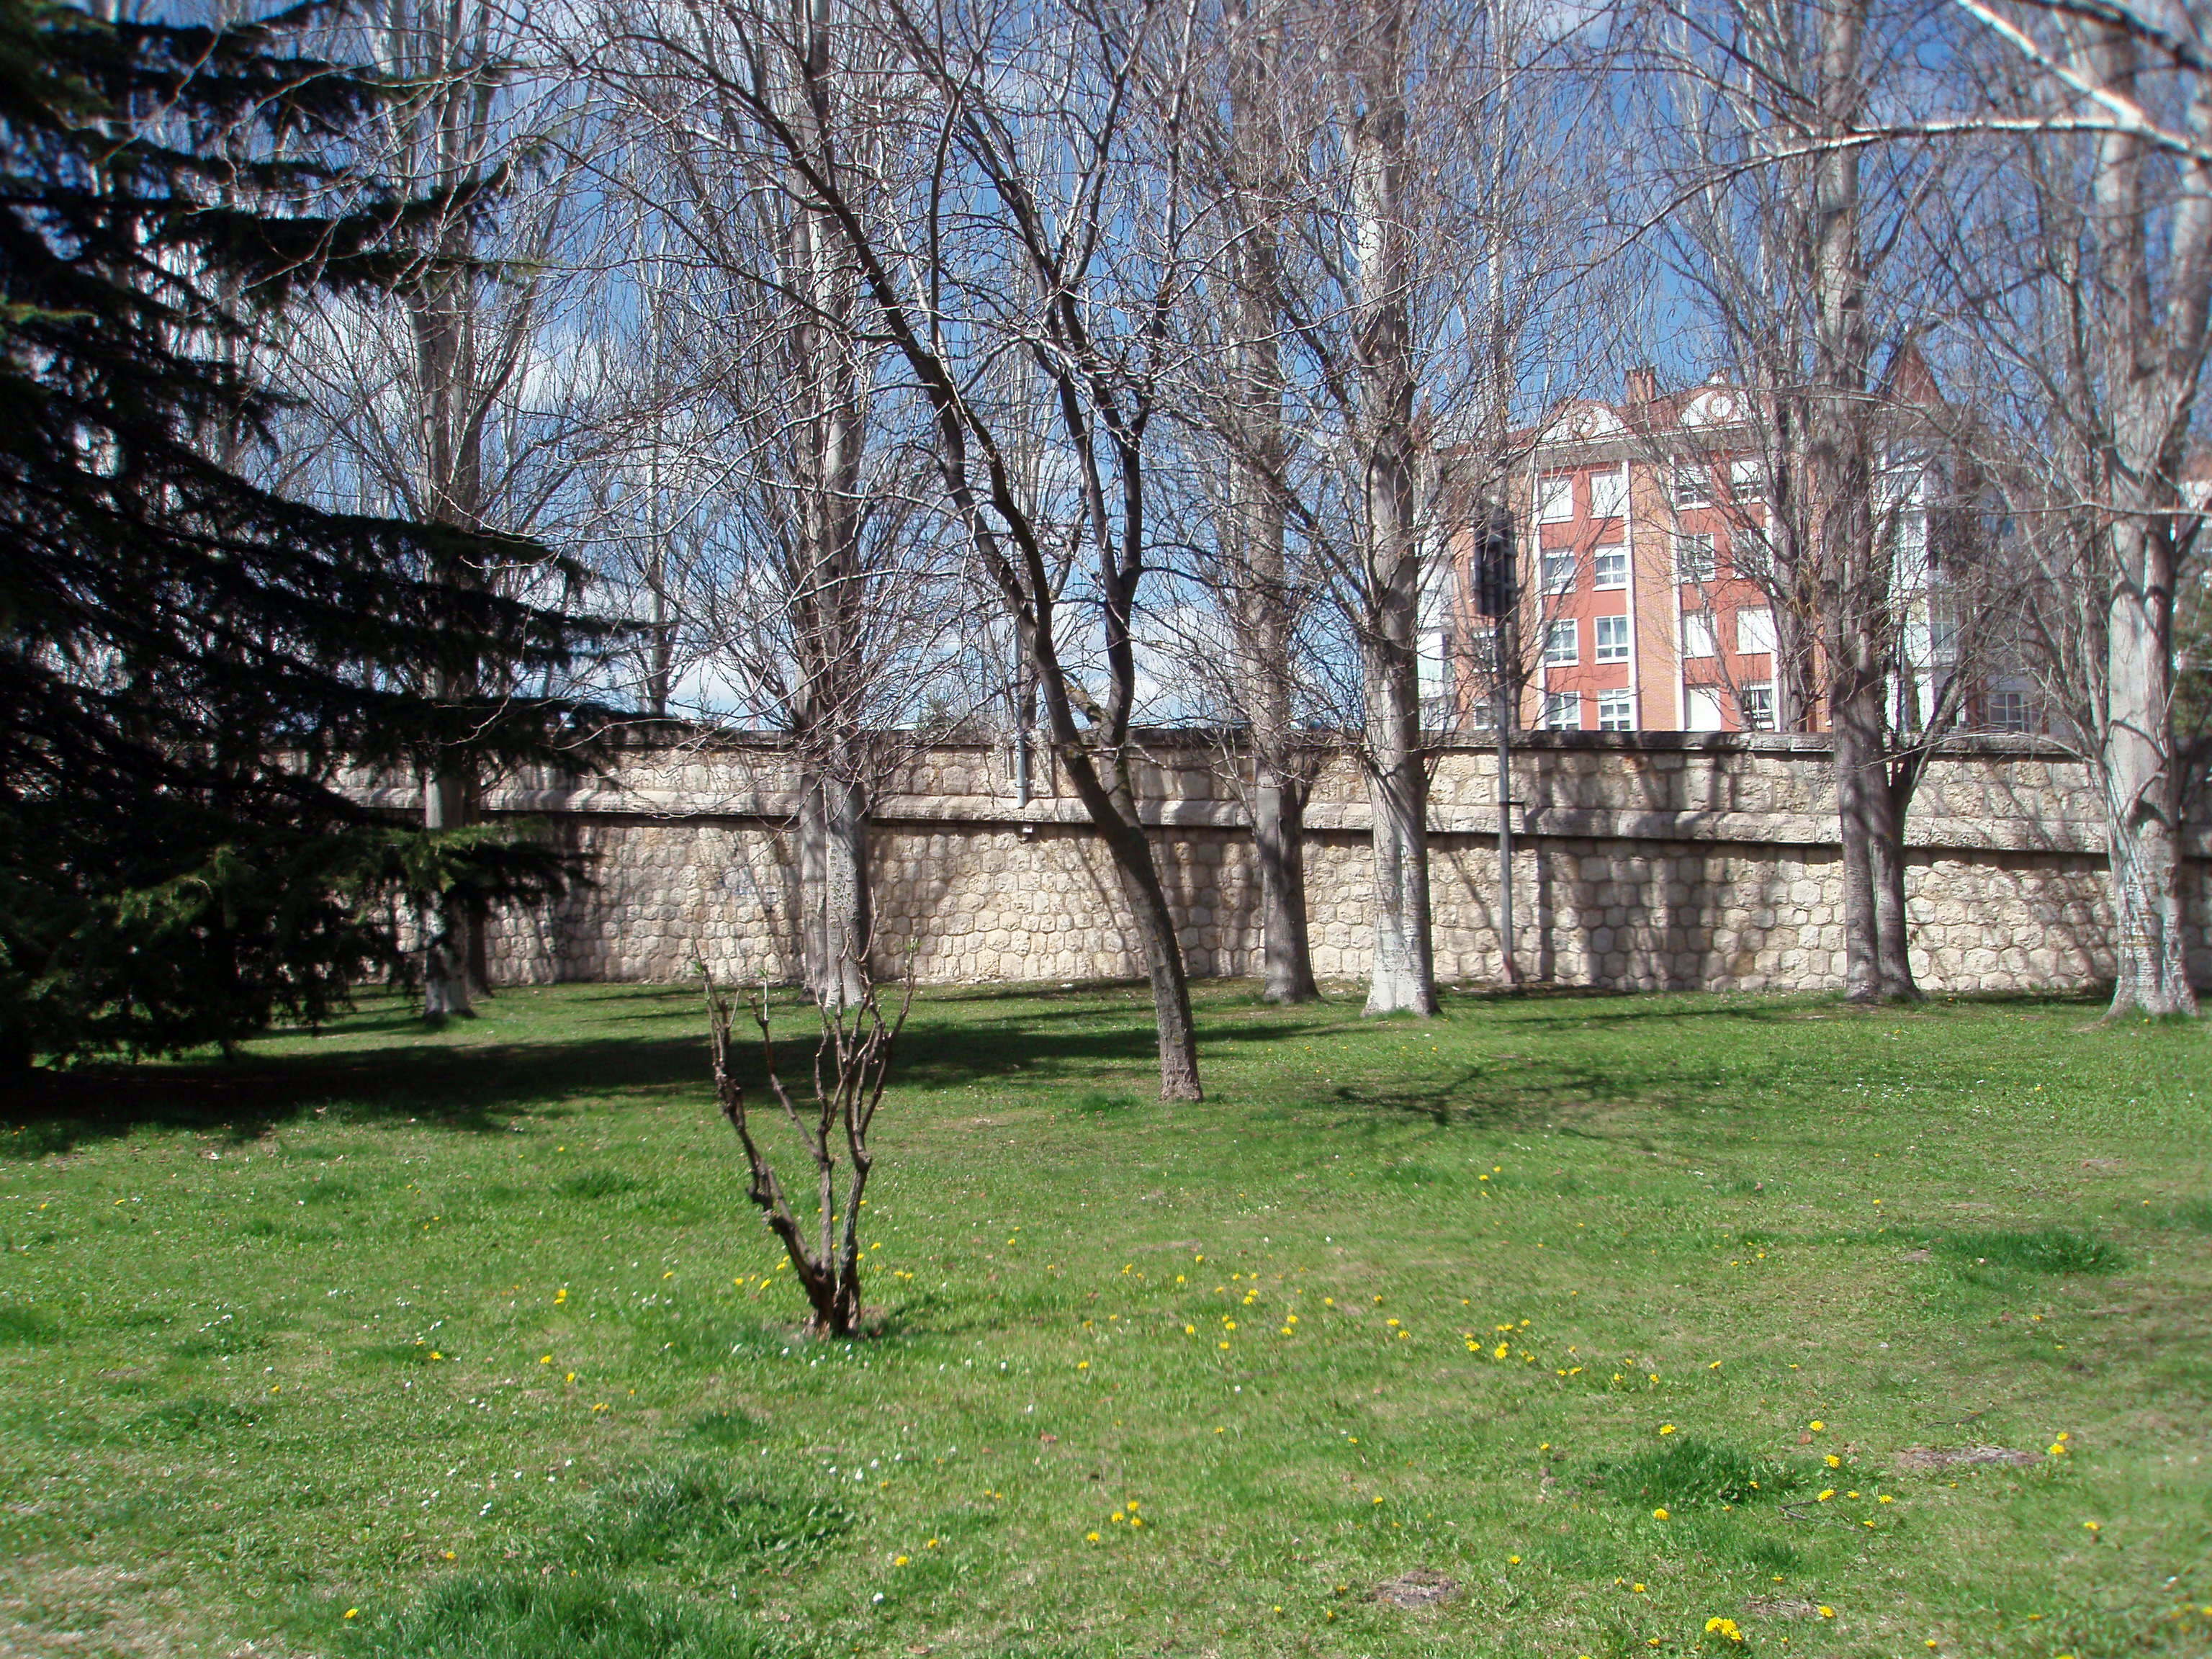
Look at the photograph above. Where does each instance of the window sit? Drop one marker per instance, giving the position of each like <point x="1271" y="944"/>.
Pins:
<point x="1479" y="646"/>
<point x="1555" y="498"/>
<point x="1608" y="494"/>
<point x="1697" y="633"/>
<point x="1562" y="711"/>
<point x="1748" y="480"/>
<point x="1558" y="569"/>
<point x="1693" y="486"/>
<point x="1704" y="710"/>
<point x="1613" y="639"/>
<point x="1758" y="704"/>
<point x="1562" y="644"/>
<point x="1755" y="630"/>
<point x="1611" y="567"/>
<point x="1695" y="559"/>
<point x="1616" y="711"/>
<point x="1482" y="715"/>
<point x="2008" y="711"/>
<point x="1748" y="553"/>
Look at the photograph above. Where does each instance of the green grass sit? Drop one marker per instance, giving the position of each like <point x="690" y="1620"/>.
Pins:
<point x="471" y="1334"/>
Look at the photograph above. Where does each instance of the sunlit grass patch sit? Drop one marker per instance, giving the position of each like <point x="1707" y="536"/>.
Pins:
<point x="2043" y="1250"/>
<point x="1241" y="1323"/>
<point x="1683" y="1472"/>
<point x="553" y="1617"/>
<point x="699" y="1516"/>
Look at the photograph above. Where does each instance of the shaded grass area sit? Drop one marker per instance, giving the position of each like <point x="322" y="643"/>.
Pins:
<point x="1596" y="1319"/>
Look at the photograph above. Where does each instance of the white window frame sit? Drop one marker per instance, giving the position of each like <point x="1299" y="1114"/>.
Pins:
<point x="1556" y="565"/>
<point x="1562" y="711"/>
<point x="1612" y="650"/>
<point x="1708" y="701"/>
<point x="1697" y="634"/>
<point x="1567" y="628"/>
<point x="1748" y="480"/>
<point x="1693" y="484"/>
<point x="1610" y="493"/>
<point x="1616" y="710"/>
<point x="1555" y="498"/>
<point x="1755" y="703"/>
<point x="1696" y="558"/>
<point x="1609" y="553"/>
<point x="1755" y="630"/>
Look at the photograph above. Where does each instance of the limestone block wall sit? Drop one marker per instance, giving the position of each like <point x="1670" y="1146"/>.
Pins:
<point x="1646" y="861"/>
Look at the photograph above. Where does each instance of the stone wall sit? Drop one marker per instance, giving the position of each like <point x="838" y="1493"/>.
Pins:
<point x="1644" y="860"/>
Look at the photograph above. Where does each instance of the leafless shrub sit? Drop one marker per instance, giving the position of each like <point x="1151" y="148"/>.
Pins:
<point x="852" y="1063"/>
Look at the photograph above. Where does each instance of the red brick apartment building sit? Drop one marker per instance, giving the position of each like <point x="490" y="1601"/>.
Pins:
<point x="1637" y="532"/>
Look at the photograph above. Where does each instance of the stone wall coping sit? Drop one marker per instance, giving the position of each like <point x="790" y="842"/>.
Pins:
<point x="1925" y="830"/>
<point x="674" y="739"/>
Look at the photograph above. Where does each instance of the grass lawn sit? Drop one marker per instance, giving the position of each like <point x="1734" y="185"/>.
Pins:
<point x="1571" y="1324"/>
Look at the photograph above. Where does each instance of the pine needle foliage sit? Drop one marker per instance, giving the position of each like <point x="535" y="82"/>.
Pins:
<point x="189" y="657"/>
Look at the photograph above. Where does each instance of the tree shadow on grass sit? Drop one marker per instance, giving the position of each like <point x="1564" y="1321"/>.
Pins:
<point x="483" y="1087"/>
<point x="1575" y="1011"/>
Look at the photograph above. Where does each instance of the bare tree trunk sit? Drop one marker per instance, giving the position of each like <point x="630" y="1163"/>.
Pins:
<point x="1261" y="604"/>
<point x="2141" y="801"/>
<point x="1858" y="756"/>
<point x="1886" y="862"/>
<point x="1402" y="977"/>
<point x="1853" y="562"/>
<point x="1278" y="814"/>
<point x="1112" y="803"/>
<point x="834" y="887"/>
<point x="444" y="924"/>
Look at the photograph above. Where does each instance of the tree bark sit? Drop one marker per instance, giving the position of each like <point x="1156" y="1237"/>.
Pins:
<point x="1402" y="978"/>
<point x="1111" y="800"/>
<point x="1260" y="603"/>
<point x="443" y="922"/>
<point x="2142" y="807"/>
<point x="834" y="887"/>
<point x="1278" y="812"/>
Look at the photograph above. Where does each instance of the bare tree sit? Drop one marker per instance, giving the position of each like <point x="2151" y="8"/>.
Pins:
<point x="852" y="1065"/>
<point x="459" y="399"/>
<point x="1421" y="283"/>
<point x="1025" y="205"/>
<point x="1242" y="467"/>
<point x="1803" y="247"/>
<point x="810" y="593"/>
<point x="2090" y="274"/>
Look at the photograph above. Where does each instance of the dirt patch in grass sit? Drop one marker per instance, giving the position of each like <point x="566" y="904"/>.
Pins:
<point x="1421" y="1588"/>
<point x="1924" y="1459"/>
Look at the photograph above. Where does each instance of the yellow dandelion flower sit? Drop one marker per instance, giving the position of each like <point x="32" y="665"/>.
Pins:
<point x="1659" y="1515"/>
<point x="1834" y="1461"/>
<point x="900" y="1560"/>
<point x="1826" y="1612"/>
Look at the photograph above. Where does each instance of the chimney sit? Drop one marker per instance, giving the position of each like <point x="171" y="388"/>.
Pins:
<point x="1641" y="386"/>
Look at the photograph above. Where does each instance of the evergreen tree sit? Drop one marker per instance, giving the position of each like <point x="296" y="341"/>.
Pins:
<point x="188" y="659"/>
